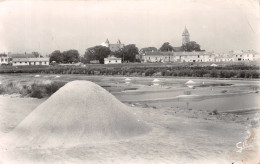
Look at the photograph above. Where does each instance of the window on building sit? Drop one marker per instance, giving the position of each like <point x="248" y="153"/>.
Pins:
<point x="116" y="61"/>
<point x="198" y="56"/>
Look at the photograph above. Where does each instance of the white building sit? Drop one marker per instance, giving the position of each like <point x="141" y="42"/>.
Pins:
<point x="112" y="60"/>
<point x="164" y="57"/>
<point x="194" y="56"/>
<point x="224" y="58"/>
<point x="243" y="55"/>
<point x="237" y="56"/>
<point x="157" y="56"/>
<point x="30" y="61"/>
<point x="4" y="60"/>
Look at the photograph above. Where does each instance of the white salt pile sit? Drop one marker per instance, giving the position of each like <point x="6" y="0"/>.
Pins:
<point x="80" y="112"/>
<point x="190" y="82"/>
<point x="213" y="65"/>
<point x="155" y="84"/>
<point x="190" y="86"/>
<point x="57" y="76"/>
<point x="127" y="79"/>
<point x="156" y="80"/>
<point x="37" y="76"/>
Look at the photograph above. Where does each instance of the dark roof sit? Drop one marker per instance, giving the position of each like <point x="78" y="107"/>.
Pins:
<point x="159" y="53"/>
<point x="193" y="53"/>
<point x="3" y="55"/>
<point x="177" y="49"/>
<point x="23" y="55"/>
<point x="115" y="47"/>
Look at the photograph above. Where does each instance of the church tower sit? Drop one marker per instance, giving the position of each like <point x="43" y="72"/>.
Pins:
<point x="185" y="36"/>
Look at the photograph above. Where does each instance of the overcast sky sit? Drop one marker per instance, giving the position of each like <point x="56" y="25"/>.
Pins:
<point x="45" y="26"/>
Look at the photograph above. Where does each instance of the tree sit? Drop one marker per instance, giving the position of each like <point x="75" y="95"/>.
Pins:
<point x="148" y="49"/>
<point x="128" y="53"/>
<point x="71" y="56"/>
<point x="56" y="56"/>
<point x="191" y="46"/>
<point x="97" y="53"/>
<point x="166" y="47"/>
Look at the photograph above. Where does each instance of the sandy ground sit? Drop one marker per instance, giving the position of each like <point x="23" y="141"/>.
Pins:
<point x="181" y="132"/>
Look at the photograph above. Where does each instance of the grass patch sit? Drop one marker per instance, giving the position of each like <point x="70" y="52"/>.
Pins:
<point x="36" y="90"/>
<point x="215" y="112"/>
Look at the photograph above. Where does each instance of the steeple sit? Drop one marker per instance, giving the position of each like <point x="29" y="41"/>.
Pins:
<point x="185" y="36"/>
<point x="185" y="32"/>
<point x="107" y="41"/>
<point x="118" y="42"/>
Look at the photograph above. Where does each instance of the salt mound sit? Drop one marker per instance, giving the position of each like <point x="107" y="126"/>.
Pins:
<point x="78" y="113"/>
<point x="37" y="76"/>
<point x="156" y="80"/>
<point x="191" y="86"/>
<point x="213" y="65"/>
<point x="127" y="79"/>
<point x="190" y="82"/>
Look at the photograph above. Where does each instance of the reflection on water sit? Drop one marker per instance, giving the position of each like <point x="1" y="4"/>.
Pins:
<point x="220" y="103"/>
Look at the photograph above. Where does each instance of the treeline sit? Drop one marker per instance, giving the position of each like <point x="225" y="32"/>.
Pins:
<point x="232" y="71"/>
<point x="97" y="53"/>
<point x="127" y="53"/>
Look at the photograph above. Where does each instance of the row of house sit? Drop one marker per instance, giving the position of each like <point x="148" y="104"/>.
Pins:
<point x="199" y="56"/>
<point x="180" y="55"/>
<point x="23" y="59"/>
<point x="166" y="57"/>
